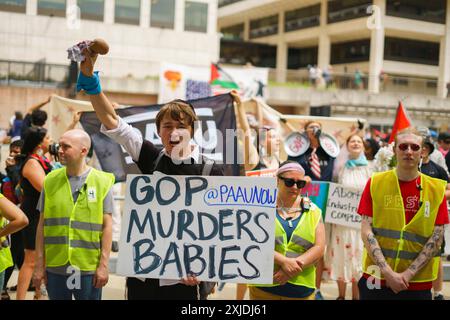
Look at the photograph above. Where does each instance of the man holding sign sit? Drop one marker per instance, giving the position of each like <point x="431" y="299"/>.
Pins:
<point x="175" y="126"/>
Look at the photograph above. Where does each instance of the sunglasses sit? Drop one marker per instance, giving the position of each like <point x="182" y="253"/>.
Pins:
<point x="290" y="182"/>
<point x="405" y="146"/>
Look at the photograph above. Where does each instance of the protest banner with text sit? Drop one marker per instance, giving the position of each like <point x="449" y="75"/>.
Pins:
<point x="216" y="228"/>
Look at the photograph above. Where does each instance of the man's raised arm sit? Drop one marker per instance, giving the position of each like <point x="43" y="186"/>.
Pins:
<point x="102" y="106"/>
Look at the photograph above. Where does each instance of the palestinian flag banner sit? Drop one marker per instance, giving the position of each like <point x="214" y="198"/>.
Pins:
<point x="221" y="82"/>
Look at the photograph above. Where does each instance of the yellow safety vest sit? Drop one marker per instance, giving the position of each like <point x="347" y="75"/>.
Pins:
<point x="73" y="232"/>
<point x="6" y="260"/>
<point x="303" y="238"/>
<point x="401" y="243"/>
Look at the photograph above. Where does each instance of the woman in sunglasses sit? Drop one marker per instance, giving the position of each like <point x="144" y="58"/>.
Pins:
<point x="299" y="240"/>
<point x="346" y="246"/>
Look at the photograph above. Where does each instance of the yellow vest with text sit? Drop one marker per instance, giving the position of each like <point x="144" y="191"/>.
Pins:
<point x="73" y="231"/>
<point x="6" y="260"/>
<point x="401" y="243"/>
<point x="303" y="238"/>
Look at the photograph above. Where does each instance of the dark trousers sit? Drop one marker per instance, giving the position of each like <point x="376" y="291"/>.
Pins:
<point x="150" y="290"/>
<point x="17" y="253"/>
<point x="387" y="294"/>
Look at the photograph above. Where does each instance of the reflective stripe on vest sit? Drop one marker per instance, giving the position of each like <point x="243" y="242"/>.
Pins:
<point x="302" y="239"/>
<point x="72" y="232"/>
<point x="401" y="243"/>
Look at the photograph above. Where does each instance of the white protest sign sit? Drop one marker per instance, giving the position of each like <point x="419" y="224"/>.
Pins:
<point x="217" y="228"/>
<point x="342" y="205"/>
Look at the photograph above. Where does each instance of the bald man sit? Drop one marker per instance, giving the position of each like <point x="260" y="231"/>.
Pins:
<point x="73" y="240"/>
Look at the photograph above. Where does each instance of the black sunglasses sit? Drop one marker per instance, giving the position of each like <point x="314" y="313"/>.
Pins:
<point x="290" y="182"/>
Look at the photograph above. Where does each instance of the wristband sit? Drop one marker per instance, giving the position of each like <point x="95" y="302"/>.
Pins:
<point x="90" y="85"/>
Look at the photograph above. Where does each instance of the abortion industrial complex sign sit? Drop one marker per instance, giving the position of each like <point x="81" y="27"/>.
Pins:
<point x="216" y="228"/>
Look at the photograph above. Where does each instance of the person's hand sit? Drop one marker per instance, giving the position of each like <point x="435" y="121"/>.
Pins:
<point x="87" y="66"/>
<point x="10" y="161"/>
<point x="396" y="281"/>
<point x="280" y="277"/>
<point x="39" y="276"/>
<point x="236" y="97"/>
<point x="76" y="117"/>
<point x="291" y="267"/>
<point x="190" y="280"/>
<point x="407" y="275"/>
<point x="101" y="277"/>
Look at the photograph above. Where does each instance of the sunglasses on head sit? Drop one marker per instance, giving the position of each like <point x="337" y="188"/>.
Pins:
<point x="290" y="182"/>
<point x="405" y="146"/>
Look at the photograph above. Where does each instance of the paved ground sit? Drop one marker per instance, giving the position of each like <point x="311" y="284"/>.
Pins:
<point x="115" y="290"/>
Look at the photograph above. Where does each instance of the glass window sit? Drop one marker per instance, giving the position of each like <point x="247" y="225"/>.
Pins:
<point x="162" y="14"/>
<point x="432" y="11"/>
<point x="195" y="16"/>
<point x="264" y="27"/>
<point x="347" y="9"/>
<point x="91" y="9"/>
<point x="52" y="8"/>
<point x="352" y="51"/>
<point x="127" y="11"/>
<point x="302" y="18"/>
<point x="223" y="3"/>
<point x="13" y="5"/>
<point x="241" y="53"/>
<point x="234" y="32"/>
<point x="412" y="51"/>
<point x="302" y="57"/>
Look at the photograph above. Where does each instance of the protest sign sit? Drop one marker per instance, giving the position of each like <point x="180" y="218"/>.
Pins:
<point x="342" y="205"/>
<point x="317" y="191"/>
<point x="261" y="173"/>
<point x="217" y="228"/>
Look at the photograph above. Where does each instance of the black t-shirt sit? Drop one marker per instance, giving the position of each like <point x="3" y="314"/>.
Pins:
<point x="326" y="164"/>
<point x="434" y="170"/>
<point x="149" y="153"/>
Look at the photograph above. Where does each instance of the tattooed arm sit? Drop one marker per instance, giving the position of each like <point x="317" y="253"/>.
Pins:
<point x="429" y="250"/>
<point x="394" y="280"/>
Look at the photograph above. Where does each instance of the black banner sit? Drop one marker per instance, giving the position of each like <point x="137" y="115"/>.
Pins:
<point x="216" y="115"/>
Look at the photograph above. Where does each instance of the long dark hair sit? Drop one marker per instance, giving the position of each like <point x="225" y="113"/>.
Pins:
<point x="34" y="138"/>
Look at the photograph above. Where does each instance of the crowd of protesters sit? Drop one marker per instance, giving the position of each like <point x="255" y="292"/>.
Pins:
<point x="49" y="201"/>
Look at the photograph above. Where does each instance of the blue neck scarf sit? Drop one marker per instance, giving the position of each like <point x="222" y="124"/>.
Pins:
<point x="361" y="161"/>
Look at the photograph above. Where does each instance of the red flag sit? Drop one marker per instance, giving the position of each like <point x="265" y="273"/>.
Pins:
<point x="401" y="121"/>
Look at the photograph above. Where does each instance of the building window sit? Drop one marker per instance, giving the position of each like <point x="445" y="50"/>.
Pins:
<point x="412" y="51"/>
<point x="241" y="53"/>
<point x="302" y="57"/>
<point x="52" y="8"/>
<point x="432" y="11"/>
<point x="234" y="32"/>
<point x="223" y="3"/>
<point x="352" y="51"/>
<point x="13" y="5"/>
<point x="302" y="18"/>
<point x="347" y="9"/>
<point x="91" y="9"/>
<point x="264" y="27"/>
<point x="127" y="11"/>
<point x="162" y="14"/>
<point x="195" y="16"/>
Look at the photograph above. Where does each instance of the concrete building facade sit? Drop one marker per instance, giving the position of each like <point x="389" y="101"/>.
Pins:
<point x="141" y="35"/>
<point x="400" y="47"/>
